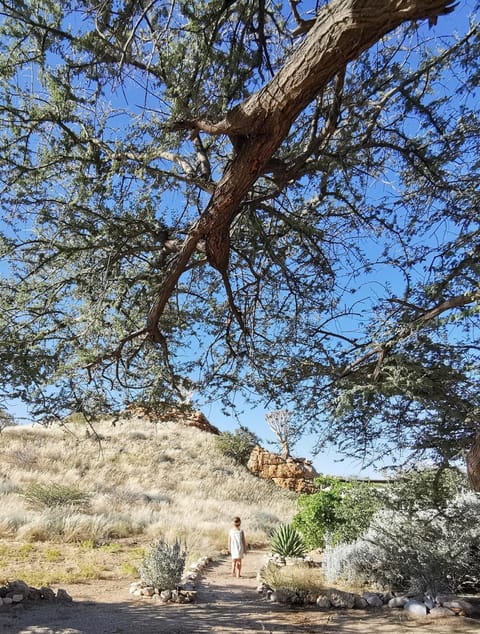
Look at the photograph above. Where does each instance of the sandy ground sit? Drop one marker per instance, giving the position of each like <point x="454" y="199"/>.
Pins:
<point x="224" y="605"/>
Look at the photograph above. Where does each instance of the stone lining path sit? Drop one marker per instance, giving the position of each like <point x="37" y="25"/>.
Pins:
<point x="224" y="605"/>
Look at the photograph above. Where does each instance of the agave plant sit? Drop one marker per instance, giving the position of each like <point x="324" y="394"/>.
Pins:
<point x="286" y="541"/>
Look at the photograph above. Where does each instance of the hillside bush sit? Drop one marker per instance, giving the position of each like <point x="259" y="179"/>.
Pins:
<point x="238" y="444"/>
<point x="53" y="495"/>
<point x="425" y="551"/>
<point x="339" y="512"/>
<point x="163" y="565"/>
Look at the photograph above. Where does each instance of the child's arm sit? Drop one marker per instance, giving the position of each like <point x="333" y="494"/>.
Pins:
<point x="245" y="547"/>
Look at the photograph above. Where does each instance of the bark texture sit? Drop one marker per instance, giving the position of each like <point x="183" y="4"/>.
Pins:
<point x="473" y="463"/>
<point x="342" y="30"/>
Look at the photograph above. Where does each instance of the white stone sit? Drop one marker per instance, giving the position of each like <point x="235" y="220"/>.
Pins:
<point x="360" y="602"/>
<point x="340" y="599"/>
<point x="397" y="602"/>
<point x="165" y="595"/>
<point x="459" y="605"/>
<point x="415" y="608"/>
<point x="441" y="613"/>
<point x="7" y="600"/>
<point x="323" y="602"/>
<point x="17" y="597"/>
<point x="62" y="595"/>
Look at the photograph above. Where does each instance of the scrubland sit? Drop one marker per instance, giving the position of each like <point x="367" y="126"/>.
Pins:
<point x="77" y="503"/>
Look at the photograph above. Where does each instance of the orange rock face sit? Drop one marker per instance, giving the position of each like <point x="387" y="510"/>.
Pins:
<point x="295" y="474"/>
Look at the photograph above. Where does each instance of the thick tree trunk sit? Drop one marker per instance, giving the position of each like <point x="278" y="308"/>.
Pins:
<point x="473" y="463"/>
<point x="343" y="29"/>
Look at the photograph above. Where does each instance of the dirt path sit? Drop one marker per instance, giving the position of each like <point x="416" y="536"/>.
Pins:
<point x="224" y="605"/>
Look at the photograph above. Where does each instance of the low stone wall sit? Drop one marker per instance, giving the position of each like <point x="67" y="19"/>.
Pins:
<point x="414" y="606"/>
<point x="18" y="591"/>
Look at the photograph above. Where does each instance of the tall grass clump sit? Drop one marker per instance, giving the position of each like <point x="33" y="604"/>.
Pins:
<point x="163" y="566"/>
<point x="299" y="579"/>
<point x="54" y="495"/>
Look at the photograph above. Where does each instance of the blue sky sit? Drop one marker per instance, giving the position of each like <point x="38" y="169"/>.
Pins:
<point x="329" y="461"/>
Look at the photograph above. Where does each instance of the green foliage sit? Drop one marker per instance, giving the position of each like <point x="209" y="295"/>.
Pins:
<point x="418" y="489"/>
<point x="426" y="551"/>
<point x="162" y="567"/>
<point x="238" y="444"/>
<point x="340" y="511"/>
<point x="54" y="495"/>
<point x="286" y="541"/>
<point x="100" y="192"/>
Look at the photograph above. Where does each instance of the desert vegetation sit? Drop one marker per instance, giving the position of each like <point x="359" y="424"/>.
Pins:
<point x="81" y="503"/>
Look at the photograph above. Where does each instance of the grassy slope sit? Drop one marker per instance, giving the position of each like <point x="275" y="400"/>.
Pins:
<point x="143" y="482"/>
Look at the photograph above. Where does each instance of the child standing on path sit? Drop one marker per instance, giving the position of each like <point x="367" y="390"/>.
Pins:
<point x="237" y="545"/>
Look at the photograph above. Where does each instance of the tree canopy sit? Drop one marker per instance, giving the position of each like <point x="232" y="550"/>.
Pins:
<point x="279" y="198"/>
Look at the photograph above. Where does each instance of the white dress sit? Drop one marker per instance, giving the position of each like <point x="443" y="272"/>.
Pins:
<point x="236" y="543"/>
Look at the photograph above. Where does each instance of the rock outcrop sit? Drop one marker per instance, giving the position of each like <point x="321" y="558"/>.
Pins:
<point x="189" y="418"/>
<point x="295" y="474"/>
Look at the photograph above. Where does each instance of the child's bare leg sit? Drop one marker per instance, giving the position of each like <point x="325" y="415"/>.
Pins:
<point x="234" y="567"/>
<point x="239" y="567"/>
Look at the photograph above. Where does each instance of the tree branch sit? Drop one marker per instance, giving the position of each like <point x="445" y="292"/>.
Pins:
<point x="343" y="29"/>
<point x="381" y="350"/>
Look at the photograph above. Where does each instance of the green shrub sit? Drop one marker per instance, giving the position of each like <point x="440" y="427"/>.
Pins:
<point x="418" y="489"/>
<point x="163" y="566"/>
<point x="287" y="542"/>
<point x="237" y="445"/>
<point x="340" y="511"/>
<point x="421" y="552"/>
<point x="53" y="495"/>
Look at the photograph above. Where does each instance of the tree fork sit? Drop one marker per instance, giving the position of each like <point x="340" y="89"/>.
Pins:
<point x="342" y="30"/>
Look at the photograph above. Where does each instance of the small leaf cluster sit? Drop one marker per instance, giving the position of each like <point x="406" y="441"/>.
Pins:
<point x="162" y="567"/>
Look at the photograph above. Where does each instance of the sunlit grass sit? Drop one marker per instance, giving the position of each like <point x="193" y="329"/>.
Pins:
<point x="297" y="578"/>
<point x="142" y="482"/>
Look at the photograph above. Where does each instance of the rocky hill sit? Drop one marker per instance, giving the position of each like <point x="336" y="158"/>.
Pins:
<point x="72" y="490"/>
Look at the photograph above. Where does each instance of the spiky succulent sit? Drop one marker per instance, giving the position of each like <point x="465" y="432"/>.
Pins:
<point x="286" y="541"/>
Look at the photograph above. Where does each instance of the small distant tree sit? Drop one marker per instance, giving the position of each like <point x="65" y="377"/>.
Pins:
<point x="6" y="420"/>
<point x="287" y="433"/>
<point x="238" y="444"/>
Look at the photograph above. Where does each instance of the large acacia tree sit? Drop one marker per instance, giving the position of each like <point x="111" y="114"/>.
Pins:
<point x="267" y="196"/>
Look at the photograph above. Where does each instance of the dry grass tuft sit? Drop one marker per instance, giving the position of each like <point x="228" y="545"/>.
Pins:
<point x="295" y="578"/>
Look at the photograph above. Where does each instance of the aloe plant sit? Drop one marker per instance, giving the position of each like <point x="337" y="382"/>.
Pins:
<point x="286" y="541"/>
